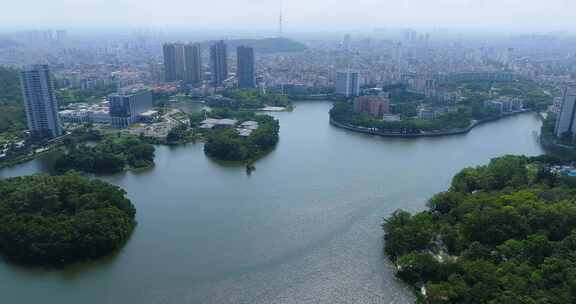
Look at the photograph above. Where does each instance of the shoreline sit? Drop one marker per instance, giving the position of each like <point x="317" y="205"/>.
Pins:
<point x="558" y="149"/>
<point x="466" y="130"/>
<point x="25" y="158"/>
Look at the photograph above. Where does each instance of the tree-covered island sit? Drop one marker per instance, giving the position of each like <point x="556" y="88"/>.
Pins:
<point x="239" y="136"/>
<point x="62" y="219"/>
<point x="112" y="154"/>
<point x="502" y="233"/>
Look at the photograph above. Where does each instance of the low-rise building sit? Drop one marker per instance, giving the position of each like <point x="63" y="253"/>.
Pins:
<point x="128" y="104"/>
<point x="246" y="128"/>
<point x="447" y="97"/>
<point x="556" y="105"/>
<point x="505" y="104"/>
<point x="426" y="114"/>
<point x="149" y="116"/>
<point x="213" y="123"/>
<point x="74" y="116"/>
<point x="391" y="117"/>
<point x="3" y="151"/>
<point x="85" y="113"/>
<point x="289" y="88"/>
<point x="376" y="106"/>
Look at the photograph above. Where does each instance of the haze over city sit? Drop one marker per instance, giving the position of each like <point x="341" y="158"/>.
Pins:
<point x="299" y="15"/>
<point x="288" y="151"/>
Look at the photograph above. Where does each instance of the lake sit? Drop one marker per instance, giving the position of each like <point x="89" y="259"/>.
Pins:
<point x="304" y="227"/>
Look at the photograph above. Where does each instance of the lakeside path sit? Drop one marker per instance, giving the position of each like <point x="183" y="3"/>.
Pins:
<point x="474" y="124"/>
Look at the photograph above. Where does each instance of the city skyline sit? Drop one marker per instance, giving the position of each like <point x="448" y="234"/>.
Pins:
<point x="408" y="151"/>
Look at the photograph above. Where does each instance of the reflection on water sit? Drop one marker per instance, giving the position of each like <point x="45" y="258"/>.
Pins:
<point x="43" y="164"/>
<point x="302" y="228"/>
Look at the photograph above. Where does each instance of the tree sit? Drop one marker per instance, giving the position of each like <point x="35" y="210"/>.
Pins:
<point x="12" y="116"/>
<point x="510" y="234"/>
<point x="227" y="144"/>
<point x="110" y="155"/>
<point x="61" y="219"/>
<point x="177" y="134"/>
<point x="407" y="233"/>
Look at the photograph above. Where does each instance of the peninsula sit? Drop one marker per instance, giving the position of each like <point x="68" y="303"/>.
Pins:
<point x="502" y="232"/>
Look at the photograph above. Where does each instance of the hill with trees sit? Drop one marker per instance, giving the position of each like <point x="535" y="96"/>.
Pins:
<point x="62" y="219"/>
<point x="502" y="233"/>
<point x="12" y="116"/>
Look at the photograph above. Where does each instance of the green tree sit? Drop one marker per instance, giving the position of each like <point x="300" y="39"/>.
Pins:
<point x="510" y="233"/>
<point x="62" y="219"/>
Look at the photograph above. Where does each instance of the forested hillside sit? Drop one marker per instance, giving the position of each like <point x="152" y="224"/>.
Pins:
<point x="12" y="117"/>
<point x="503" y="233"/>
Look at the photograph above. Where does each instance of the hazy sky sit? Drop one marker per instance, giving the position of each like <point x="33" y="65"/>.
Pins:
<point x="300" y="15"/>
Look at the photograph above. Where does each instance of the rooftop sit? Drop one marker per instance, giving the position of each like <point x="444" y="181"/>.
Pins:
<point x="213" y="122"/>
<point x="149" y="113"/>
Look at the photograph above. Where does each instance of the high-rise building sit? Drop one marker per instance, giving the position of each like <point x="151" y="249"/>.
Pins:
<point x="126" y="105"/>
<point x="40" y="102"/>
<point x="180" y="67"/>
<point x="219" y="63"/>
<point x="173" y="61"/>
<point x="507" y="55"/>
<point x="430" y="88"/>
<point x="566" y="122"/>
<point x="245" y="72"/>
<point x="169" y="51"/>
<point x="397" y="53"/>
<point x="346" y="42"/>
<point x="348" y="83"/>
<point x="61" y="35"/>
<point x="193" y="63"/>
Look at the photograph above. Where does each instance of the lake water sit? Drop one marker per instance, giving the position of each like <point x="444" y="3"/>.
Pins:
<point x="303" y="228"/>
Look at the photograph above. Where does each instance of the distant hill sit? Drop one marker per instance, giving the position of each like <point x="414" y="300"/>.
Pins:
<point x="266" y="45"/>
